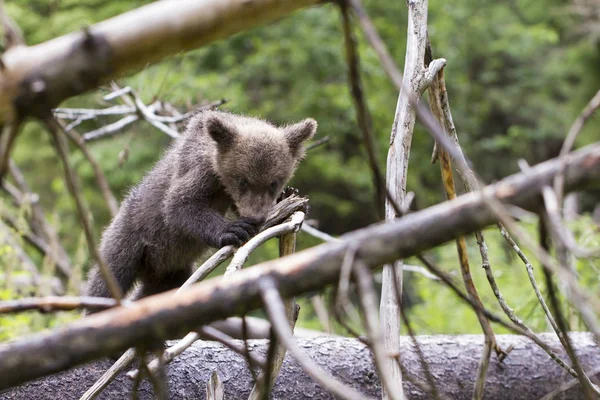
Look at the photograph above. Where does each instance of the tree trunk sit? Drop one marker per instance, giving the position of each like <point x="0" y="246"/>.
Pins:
<point x="527" y="373"/>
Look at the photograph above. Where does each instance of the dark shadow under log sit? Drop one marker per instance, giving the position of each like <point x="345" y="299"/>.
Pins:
<point x="527" y="373"/>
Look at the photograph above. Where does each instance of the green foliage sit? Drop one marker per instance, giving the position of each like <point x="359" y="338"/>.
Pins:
<point x="517" y="77"/>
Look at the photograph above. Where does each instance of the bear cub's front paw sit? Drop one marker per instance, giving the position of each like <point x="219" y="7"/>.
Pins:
<point x="240" y="231"/>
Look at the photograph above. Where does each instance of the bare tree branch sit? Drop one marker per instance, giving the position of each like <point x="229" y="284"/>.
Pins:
<point x="56" y="303"/>
<point x="71" y="180"/>
<point x="74" y="63"/>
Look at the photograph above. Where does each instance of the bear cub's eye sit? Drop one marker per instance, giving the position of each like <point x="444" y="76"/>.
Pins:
<point x="273" y="186"/>
<point x="243" y="183"/>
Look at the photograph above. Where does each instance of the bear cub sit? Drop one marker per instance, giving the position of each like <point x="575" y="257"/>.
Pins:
<point x="222" y="161"/>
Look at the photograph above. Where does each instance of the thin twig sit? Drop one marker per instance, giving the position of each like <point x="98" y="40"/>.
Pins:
<point x="588" y="387"/>
<point x="7" y="139"/>
<point x="108" y="195"/>
<point x="436" y="91"/>
<point x="490" y="315"/>
<point x="110" y="129"/>
<point x="404" y="315"/>
<point x="243" y="252"/>
<point x="368" y="300"/>
<point x="425" y="387"/>
<point x="318" y="234"/>
<point x="73" y="186"/>
<point x="363" y="116"/>
<point x="276" y="311"/>
<point x="568" y="385"/>
<point x="317" y="143"/>
<point x="56" y="303"/>
<point x="578" y="124"/>
<point x="277" y="351"/>
<point x="183" y="344"/>
<point x="91" y="113"/>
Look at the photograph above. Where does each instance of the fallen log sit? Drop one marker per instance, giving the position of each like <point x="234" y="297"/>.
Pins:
<point x="527" y="373"/>
<point x="165" y="316"/>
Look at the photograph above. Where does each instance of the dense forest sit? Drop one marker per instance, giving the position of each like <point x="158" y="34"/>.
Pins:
<point x="518" y="74"/>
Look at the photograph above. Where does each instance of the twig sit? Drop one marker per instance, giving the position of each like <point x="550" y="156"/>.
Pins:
<point x="91" y="113"/>
<point x="109" y="197"/>
<point x="482" y="367"/>
<point x="40" y="234"/>
<point x="56" y="303"/>
<point x="110" y="129"/>
<point x="243" y="252"/>
<point x="72" y="184"/>
<point x="158" y="377"/>
<point x="7" y="139"/>
<point x="387" y="62"/>
<point x="318" y="304"/>
<point x="317" y="143"/>
<point x="208" y="266"/>
<point x="436" y="89"/>
<point x="578" y="124"/>
<point x="138" y="379"/>
<point x="318" y="234"/>
<point x="426" y="388"/>
<point x="251" y="365"/>
<point x="183" y="344"/>
<point x="491" y="316"/>
<point x="368" y="300"/>
<point x="312" y="231"/>
<point x="7" y="237"/>
<point x="13" y="35"/>
<point x="149" y="116"/>
<point x="430" y="379"/>
<point x="363" y="115"/>
<point x="568" y="385"/>
<point x="562" y="232"/>
<point x="277" y="351"/>
<point x="588" y="387"/>
<point x="276" y="311"/>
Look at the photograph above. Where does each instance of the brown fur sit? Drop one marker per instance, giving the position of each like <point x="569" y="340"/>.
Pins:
<point x="223" y="161"/>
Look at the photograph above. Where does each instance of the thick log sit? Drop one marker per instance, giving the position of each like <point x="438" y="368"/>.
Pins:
<point x="527" y="373"/>
<point x="165" y="316"/>
<point x="34" y="79"/>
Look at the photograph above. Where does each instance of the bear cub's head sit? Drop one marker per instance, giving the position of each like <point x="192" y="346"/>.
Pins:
<point x="255" y="159"/>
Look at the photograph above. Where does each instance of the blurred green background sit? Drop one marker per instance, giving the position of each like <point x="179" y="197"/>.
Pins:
<point x="518" y="74"/>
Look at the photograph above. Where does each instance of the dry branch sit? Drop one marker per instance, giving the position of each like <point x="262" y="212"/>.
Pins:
<point x="415" y="80"/>
<point x="266" y="380"/>
<point x="37" y="78"/>
<point x="56" y="303"/>
<point x="159" y="317"/>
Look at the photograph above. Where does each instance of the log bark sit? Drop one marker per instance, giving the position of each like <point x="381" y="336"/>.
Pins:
<point x="165" y="316"/>
<point x="37" y="78"/>
<point x="527" y="373"/>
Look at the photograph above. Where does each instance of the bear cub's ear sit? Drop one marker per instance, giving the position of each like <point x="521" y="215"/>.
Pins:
<point x="220" y="130"/>
<point x="298" y="133"/>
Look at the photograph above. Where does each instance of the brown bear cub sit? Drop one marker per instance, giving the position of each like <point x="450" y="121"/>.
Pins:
<point x="222" y="161"/>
